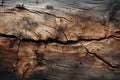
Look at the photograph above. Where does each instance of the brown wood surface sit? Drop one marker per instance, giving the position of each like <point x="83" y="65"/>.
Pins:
<point x="53" y="44"/>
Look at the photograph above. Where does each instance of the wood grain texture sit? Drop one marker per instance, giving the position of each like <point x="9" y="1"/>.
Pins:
<point x="50" y="43"/>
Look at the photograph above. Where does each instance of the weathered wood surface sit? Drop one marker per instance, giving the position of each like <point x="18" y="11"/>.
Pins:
<point x="99" y="5"/>
<point x="50" y="43"/>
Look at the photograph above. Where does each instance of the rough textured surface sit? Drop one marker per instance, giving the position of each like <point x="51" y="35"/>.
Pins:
<point x="53" y="44"/>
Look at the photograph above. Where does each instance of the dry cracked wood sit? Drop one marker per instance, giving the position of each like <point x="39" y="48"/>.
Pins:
<point x="52" y="44"/>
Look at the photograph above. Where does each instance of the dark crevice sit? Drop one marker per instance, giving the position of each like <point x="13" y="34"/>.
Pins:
<point x="21" y="7"/>
<point x="65" y="36"/>
<point x="56" y="40"/>
<point x="39" y="12"/>
<point x="100" y="58"/>
<point x="7" y="36"/>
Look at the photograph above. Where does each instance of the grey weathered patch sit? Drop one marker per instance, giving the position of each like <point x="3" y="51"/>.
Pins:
<point x="30" y="22"/>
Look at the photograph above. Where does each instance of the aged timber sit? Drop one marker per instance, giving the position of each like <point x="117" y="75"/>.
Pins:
<point x="60" y="40"/>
